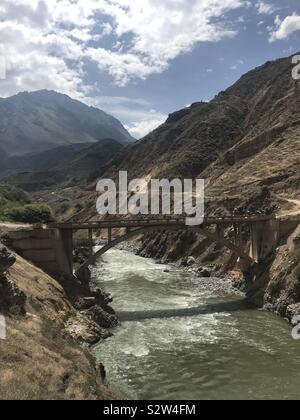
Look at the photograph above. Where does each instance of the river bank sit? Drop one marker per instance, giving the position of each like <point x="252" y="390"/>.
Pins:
<point x="231" y="283"/>
<point x="273" y="285"/>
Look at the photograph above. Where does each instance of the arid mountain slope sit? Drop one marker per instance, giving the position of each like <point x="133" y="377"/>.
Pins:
<point x="247" y="136"/>
<point x="65" y="165"/>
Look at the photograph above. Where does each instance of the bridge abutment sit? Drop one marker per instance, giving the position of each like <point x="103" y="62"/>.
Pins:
<point x="265" y="237"/>
<point x="49" y="249"/>
<point x="64" y="251"/>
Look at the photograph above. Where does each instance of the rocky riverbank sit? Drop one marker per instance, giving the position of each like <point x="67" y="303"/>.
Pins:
<point x="274" y="286"/>
<point x="230" y="283"/>
<point x="48" y="333"/>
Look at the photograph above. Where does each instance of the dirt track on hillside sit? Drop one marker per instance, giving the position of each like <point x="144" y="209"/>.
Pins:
<point x="294" y="211"/>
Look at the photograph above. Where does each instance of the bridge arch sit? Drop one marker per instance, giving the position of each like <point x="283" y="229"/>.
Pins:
<point x="214" y="237"/>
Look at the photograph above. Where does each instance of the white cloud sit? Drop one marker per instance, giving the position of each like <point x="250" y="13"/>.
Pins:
<point x="47" y="44"/>
<point x="142" y="128"/>
<point x="123" y="67"/>
<point x="283" y="29"/>
<point x="60" y="31"/>
<point x="118" y="100"/>
<point x="160" y="31"/>
<point x="264" y="8"/>
<point x="37" y="53"/>
<point x="136" y="113"/>
<point x="238" y="64"/>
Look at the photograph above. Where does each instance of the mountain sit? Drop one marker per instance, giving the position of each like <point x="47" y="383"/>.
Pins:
<point x="39" y="121"/>
<point x="42" y="161"/>
<point x="66" y="165"/>
<point x="245" y="138"/>
<point x="245" y="143"/>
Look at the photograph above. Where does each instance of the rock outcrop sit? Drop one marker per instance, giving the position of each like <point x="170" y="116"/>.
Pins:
<point x="45" y="343"/>
<point x="86" y="331"/>
<point x="12" y="299"/>
<point x="7" y="259"/>
<point x="277" y="283"/>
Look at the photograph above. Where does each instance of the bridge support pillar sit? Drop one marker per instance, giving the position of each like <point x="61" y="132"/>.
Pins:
<point x="264" y="238"/>
<point x="220" y="232"/>
<point x="91" y="241"/>
<point x="64" y="250"/>
<point x="109" y="235"/>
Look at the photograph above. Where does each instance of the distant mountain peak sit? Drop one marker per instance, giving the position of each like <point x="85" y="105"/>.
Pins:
<point x="42" y="120"/>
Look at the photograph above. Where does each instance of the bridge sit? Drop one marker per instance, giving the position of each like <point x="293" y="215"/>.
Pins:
<point x="52" y="248"/>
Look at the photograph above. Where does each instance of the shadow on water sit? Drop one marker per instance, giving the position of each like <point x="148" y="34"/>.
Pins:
<point x="215" y="308"/>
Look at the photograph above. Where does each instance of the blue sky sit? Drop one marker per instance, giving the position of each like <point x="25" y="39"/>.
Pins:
<point x="140" y="60"/>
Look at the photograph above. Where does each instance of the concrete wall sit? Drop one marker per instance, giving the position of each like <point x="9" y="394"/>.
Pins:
<point x="264" y="239"/>
<point x="45" y="248"/>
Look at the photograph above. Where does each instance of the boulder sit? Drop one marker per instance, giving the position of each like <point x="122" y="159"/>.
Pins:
<point x="204" y="272"/>
<point x="12" y="299"/>
<point x="102" y="298"/>
<point x="83" y="329"/>
<point x="190" y="261"/>
<point x="7" y="259"/>
<point x="102" y="318"/>
<point x="85" y="303"/>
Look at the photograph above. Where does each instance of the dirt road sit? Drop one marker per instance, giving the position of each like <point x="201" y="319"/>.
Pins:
<point x="294" y="211"/>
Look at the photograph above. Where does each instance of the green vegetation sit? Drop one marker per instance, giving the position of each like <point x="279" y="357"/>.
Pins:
<point x="16" y="206"/>
<point x="32" y="213"/>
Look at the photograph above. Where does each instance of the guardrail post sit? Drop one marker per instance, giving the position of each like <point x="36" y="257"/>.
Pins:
<point x="109" y="235"/>
<point x="91" y="244"/>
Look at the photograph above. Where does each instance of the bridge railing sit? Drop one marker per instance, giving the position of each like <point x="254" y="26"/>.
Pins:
<point x="158" y="221"/>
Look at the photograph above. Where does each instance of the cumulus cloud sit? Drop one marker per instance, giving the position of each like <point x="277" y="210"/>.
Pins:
<point x="283" y="29"/>
<point x="264" y="8"/>
<point x="38" y="53"/>
<point x="49" y="43"/>
<point x="70" y="32"/>
<point x="160" y="31"/>
<point x="141" y="118"/>
<point x="142" y="128"/>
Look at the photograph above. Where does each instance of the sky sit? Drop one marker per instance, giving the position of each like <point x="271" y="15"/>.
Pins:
<point x="140" y="60"/>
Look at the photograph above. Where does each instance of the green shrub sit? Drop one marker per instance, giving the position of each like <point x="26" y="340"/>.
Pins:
<point x="31" y="213"/>
<point x="12" y="194"/>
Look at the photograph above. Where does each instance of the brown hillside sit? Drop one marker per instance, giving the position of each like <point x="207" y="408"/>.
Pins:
<point x="38" y="360"/>
<point x="248" y="135"/>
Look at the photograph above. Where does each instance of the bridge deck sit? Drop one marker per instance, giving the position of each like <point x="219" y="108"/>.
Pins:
<point x="164" y="222"/>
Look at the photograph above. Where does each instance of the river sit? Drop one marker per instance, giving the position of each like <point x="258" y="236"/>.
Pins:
<point x="184" y="338"/>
